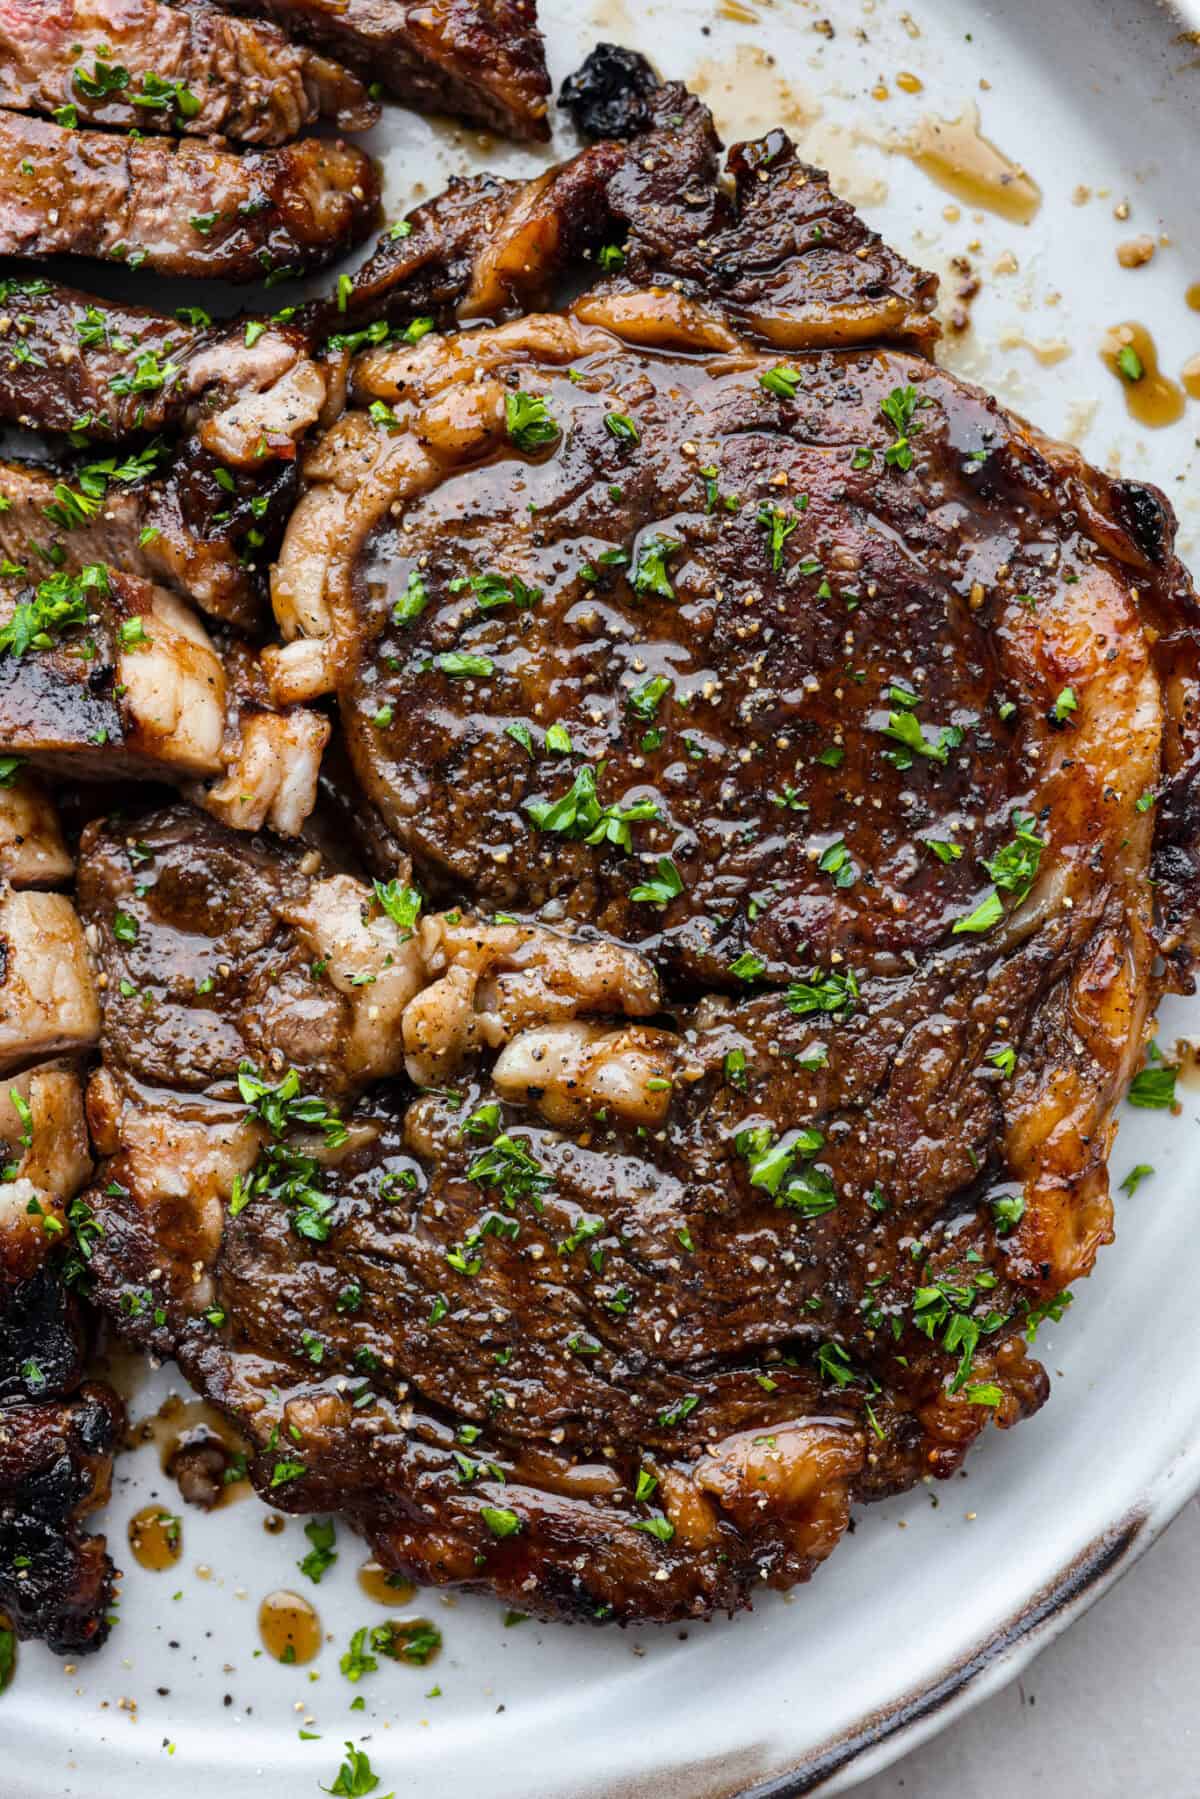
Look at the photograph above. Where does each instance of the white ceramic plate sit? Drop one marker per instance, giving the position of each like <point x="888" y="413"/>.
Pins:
<point x="941" y="1596"/>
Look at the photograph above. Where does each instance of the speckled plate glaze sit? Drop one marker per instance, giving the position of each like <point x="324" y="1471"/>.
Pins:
<point x="942" y="1596"/>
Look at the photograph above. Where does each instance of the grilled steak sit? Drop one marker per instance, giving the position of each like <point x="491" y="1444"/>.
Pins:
<point x="103" y="371"/>
<point x="56" y="1438"/>
<point x="481" y="59"/>
<point x="794" y="264"/>
<point x="195" y="528"/>
<point x="138" y="64"/>
<point x="181" y="209"/>
<point x="802" y="752"/>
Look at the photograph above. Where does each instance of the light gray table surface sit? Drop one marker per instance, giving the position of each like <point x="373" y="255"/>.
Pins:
<point x="1107" y="1712"/>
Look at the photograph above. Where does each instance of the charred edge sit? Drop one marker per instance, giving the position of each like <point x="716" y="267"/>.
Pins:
<point x="1089" y="1569"/>
<point x="608" y="96"/>
<point x="1146" y="518"/>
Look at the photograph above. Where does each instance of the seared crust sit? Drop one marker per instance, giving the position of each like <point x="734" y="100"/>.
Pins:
<point x="73" y="362"/>
<point x="481" y="59"/>
<point x="181" y="209"/>
<point x="138" y="64"/>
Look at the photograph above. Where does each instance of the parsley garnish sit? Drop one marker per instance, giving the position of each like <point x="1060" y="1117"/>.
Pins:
<point x="529" y="421"/>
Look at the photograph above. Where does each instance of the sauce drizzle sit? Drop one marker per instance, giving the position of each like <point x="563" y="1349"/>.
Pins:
<point x="289" y="1627"/>
<point x="955" y="154"/>
<point x="155" y="1538"/>
<point x="1129" y="353"/>
<point x="384" y="1586"/>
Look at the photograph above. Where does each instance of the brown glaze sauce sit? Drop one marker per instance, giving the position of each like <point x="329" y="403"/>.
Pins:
<point x="422" y="1632"/>
<point x="1193" y="296"/>
<point x="289" y="1627"/>
<point x="186" y="1431"/>
<point x="383" y="1587"/>
<point x="155" y="1538"/>
<point x="1129" y="354"/>
<point x="1189" y="376"/>
<point x="956" y="155"/>
<point x="1135" y="252"/>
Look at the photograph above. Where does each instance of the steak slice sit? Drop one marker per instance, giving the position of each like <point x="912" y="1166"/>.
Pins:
<point x="481" y="59"/>
<point x="56" y="1581"/>
<point x="193" y="528"/>
<point x="56" y="1437"/>
<point x="48" y="1003"/>
<point x="181" y="209"/>
<point x="161" y="68"/>
<point x="33" y="852"/>
<point x="105" y="371"/>
<point x="767" y="254"/>
<point x="102" y="671"/>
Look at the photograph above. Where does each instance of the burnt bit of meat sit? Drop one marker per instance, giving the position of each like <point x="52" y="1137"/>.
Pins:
<point x="56" y="1437"/>
<point x="186" y="208"/>
<point x="481" y="59"/>
<point x="56" y="1582"/>
<point x="609" y="94"/>
<point x="159" y="68"/>
<point x="1147" y="517"/>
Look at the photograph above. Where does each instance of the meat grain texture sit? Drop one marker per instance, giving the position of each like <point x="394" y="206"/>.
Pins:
<point x="795" y="755"/>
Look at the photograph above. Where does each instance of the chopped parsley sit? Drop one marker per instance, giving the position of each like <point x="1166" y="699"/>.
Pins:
<point x="529" y="421"/>
<point x="578" y="814"/>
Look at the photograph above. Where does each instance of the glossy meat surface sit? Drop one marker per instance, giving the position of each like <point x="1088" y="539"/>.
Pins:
<point x="74" y="362"/>
<point x="57" y="1437"/>
<point x="779" y="767"/>
<point x="170" y="521"/>
<point x="188" y="208"/>
<point x="481" y="59"/>
<point x="141" y="65"/>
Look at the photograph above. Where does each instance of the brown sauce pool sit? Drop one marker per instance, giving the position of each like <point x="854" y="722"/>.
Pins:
<point x="1189" y="375"/>
<point x="955" y="154"/>
<point x="289" y="1627"/>
<point x="417" y="1641"/>
<point x="1129" y="353"/>
<point x="155" y="1538"/>
<point x="384" y="1587"/>
<point x="197" y="1447"/>
<point x="1193" y="296"/>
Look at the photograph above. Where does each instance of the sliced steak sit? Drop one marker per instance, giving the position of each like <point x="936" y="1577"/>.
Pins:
<point x="181" y="209"/>
<point x="194" y="528"/>
<point x="105" y="676"/>
<point x="103" y="371"/>
<point x="766" y="255"/>
<point x="33" y="852"/>
<point x="56" y="1438"/>
<point x="104" y="672"/>
<point x="481" y="59"/>
<point x="48" y="1004"/>
<point x="140" y="65"/>
<point x="56" y="1582"/>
